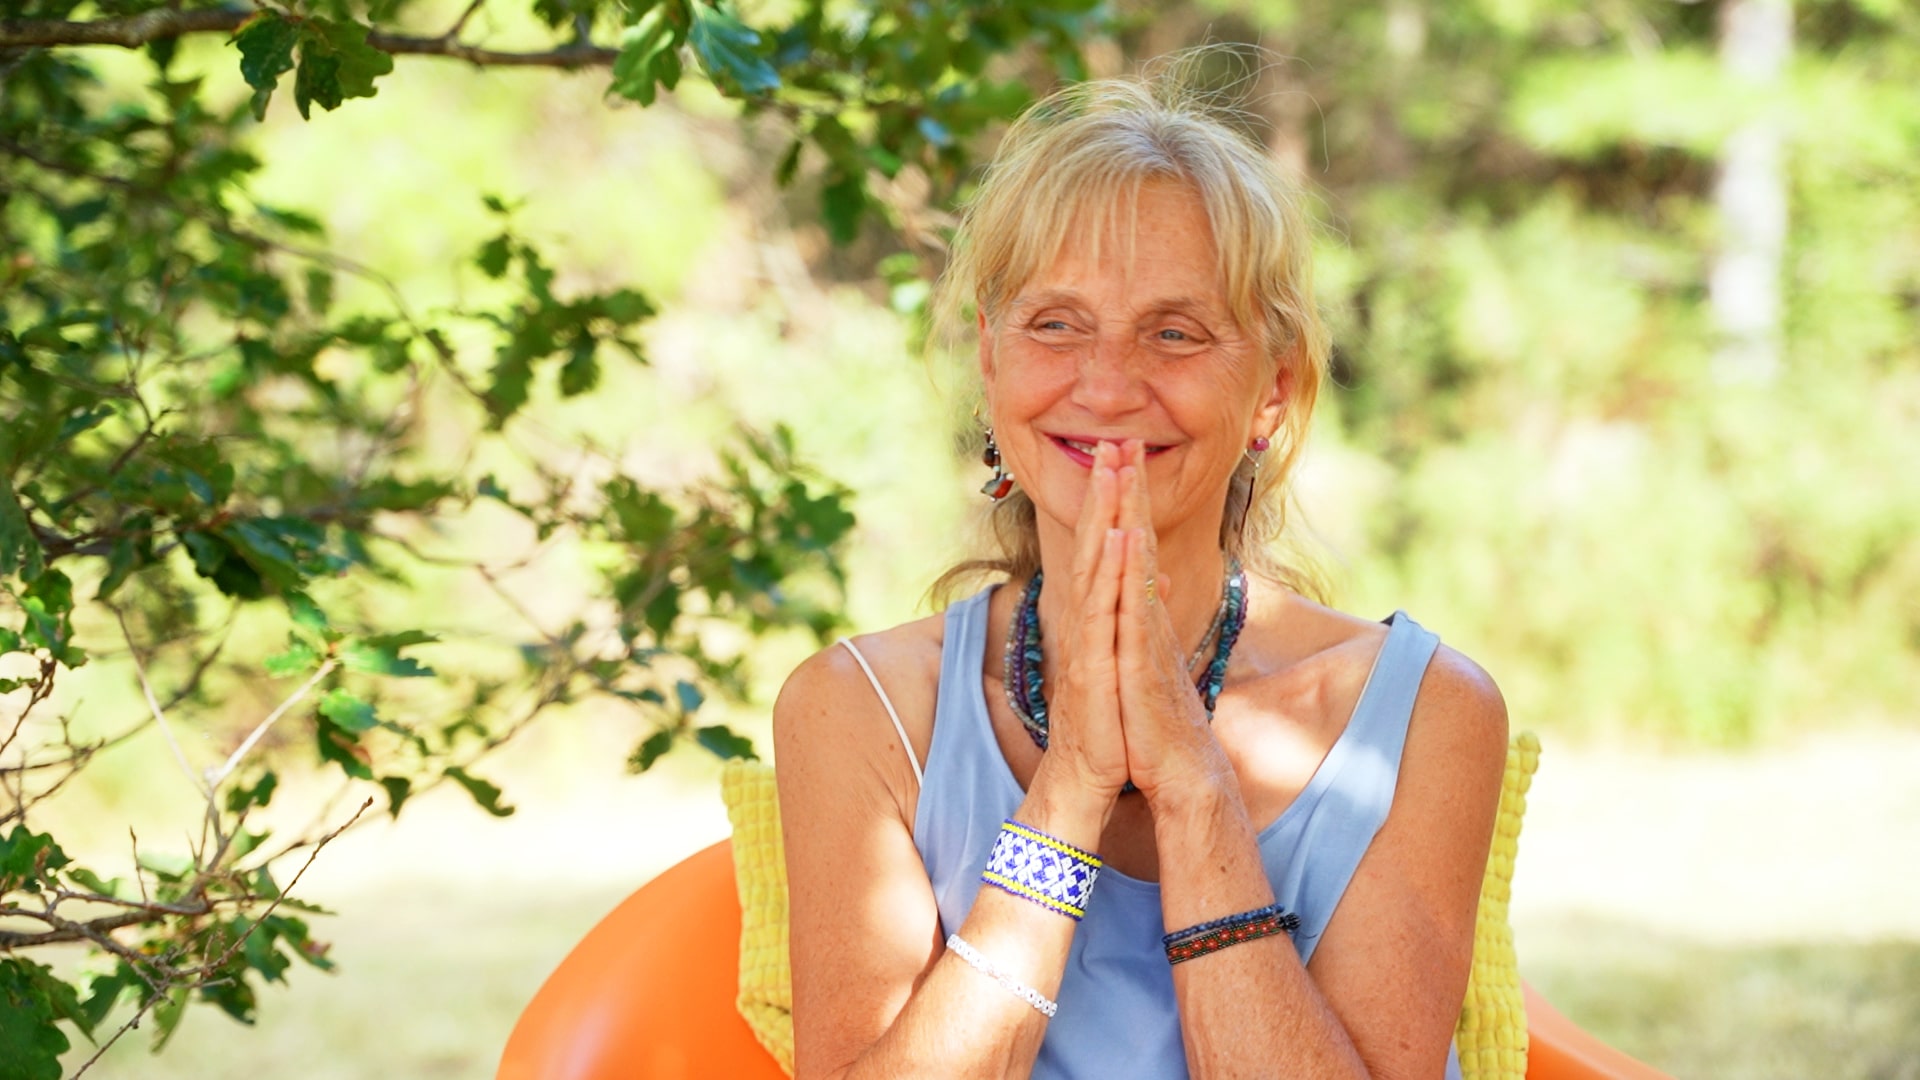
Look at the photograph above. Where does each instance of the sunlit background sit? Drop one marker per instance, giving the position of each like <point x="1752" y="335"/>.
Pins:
<point x="1627" y="407"/>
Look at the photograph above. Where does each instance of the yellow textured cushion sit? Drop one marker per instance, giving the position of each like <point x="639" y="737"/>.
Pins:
<point x="1492" y="1036"/>
<point x="760" y="868"/>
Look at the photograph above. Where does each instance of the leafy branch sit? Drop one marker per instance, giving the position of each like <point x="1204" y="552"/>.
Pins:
<point x="166" y="24"/>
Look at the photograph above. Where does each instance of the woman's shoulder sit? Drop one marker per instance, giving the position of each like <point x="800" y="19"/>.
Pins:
<point x="897" y="656"/>
<point x="840" y="705"/>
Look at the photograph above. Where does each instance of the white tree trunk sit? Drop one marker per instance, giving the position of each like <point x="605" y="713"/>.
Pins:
<point x="1756" y="41"/>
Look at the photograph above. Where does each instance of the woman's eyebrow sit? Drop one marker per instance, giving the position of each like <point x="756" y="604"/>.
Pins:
<point x="1184" y="305"/>
<point x="1048" y="298"/>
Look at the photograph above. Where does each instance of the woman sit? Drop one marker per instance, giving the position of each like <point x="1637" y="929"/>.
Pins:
<point x="1145" y="730"/>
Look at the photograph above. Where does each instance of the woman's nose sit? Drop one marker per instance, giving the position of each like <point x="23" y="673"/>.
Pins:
<point x="1109" y="380"/>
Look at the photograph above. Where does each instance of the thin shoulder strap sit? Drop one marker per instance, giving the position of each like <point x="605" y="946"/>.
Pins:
<point x="888" y="702"/>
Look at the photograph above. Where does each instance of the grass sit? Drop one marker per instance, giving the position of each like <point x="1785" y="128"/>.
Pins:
<point x="1746" y="931"/>
<point x="1771" y="1012"/>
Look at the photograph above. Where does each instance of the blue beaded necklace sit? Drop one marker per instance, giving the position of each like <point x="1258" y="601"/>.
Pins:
<point x="1025" y="693"/>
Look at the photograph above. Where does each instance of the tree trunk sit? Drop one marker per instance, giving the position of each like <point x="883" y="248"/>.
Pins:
<point x="1756" y="40"/>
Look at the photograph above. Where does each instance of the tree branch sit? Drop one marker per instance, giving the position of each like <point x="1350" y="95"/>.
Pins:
<point x="135" y="31"/>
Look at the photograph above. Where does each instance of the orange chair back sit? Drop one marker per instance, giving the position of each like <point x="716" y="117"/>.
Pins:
<point x="649" y="994"/>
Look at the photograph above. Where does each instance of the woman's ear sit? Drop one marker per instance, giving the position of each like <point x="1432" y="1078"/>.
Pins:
<point x="1272" y="410"/>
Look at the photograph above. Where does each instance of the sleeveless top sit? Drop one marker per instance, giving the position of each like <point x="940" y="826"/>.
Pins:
<point x="1117" y="1013"/>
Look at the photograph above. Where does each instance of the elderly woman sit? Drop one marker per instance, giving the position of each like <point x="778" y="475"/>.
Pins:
<point x="1139" y="807"/>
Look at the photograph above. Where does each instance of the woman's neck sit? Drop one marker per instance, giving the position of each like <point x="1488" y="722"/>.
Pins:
<point x="1192" y="568"/>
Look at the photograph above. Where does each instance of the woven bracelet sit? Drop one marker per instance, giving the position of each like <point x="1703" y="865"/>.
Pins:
<point x="1211" y="937"/>
<point x="959" y="947"/>
<point x="1044" y="869"/>
<point x="1191" y="932"/>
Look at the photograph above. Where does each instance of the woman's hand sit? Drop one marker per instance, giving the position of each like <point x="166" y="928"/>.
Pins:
<point x="1169" y="742"/>
<point x="1084" y="736"/>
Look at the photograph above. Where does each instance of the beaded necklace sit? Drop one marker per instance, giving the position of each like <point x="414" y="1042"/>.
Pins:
<point x="1023" y="655"/>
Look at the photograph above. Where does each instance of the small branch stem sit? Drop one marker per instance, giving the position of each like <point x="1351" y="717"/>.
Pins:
<point x="233" y="760"/>
<point x="136" y="31"/>
<point x="159" y="714"/>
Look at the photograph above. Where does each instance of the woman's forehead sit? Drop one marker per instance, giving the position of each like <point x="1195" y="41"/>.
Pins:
<point x="1154" y="237"/>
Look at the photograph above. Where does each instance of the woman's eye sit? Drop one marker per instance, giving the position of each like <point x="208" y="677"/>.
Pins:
<point x="1170" y="334"/>
<point x="1053" y="324"/>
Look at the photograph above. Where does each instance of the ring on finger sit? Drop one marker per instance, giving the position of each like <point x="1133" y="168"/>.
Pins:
<point x="1150" y="591"/>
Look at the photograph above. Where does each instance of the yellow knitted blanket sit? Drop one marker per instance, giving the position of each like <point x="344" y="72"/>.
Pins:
<point x="1492" y="1036"/>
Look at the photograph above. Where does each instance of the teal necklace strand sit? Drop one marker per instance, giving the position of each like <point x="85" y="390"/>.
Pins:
<point x="1026" y="693"/>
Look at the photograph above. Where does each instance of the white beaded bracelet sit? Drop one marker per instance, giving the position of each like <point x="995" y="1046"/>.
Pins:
<point x="987" y="967"/>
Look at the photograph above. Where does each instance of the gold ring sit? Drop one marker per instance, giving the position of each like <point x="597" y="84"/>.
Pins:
<point x="1149" y="590"/>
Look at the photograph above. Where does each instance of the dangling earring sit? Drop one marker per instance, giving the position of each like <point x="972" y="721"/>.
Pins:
<point x="1259" y="446"/>
<point x="1000" y="484"/>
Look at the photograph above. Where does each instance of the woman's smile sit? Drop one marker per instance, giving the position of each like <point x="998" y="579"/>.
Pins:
<point x="1079" y="449"/>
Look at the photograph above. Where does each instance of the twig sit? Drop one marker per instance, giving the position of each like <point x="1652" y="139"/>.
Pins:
<point x="233" y="760"/>
<point x="136" y="31"/>
<point x="141" y="1012"/>
<point x="159" y="714"/>
<point x="461" y="23"/>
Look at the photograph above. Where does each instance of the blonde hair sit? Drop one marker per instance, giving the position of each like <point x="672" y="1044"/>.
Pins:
<point x="1088" y="149"/>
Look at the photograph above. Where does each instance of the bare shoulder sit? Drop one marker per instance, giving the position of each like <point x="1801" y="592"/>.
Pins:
<point x="830" y="722"/>
<point x="1460" y="712"/>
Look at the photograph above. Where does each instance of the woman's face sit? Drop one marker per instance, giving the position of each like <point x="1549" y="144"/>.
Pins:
<point x="1130" y="348"/>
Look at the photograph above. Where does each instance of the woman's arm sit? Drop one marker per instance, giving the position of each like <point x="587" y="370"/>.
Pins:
<point x="1383" y="993"/>
<point x="875" y="992"/>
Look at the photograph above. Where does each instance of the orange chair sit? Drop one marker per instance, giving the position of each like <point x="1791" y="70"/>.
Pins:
<point x="649" y="995"/>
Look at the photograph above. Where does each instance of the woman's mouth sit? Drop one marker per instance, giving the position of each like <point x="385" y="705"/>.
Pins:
<point x="1080" y="451"/>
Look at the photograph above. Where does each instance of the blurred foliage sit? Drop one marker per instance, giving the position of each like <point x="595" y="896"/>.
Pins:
<point x="205" y="454"/>
<point x="263" y="478"/>
<point x="1534" y="443"/>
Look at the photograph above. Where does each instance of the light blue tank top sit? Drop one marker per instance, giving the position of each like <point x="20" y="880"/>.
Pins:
<point x="1118" y="1016"/>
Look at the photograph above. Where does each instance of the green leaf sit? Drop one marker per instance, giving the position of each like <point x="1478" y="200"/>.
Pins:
<point x="644" y="518"/>
<point x="89" y="880"/>
<point x="259" y="793"/>
<point x="27" y="858"/>
<point x="495" y="256"/>
<point x="627" y="306"/>
<point x="581" y="372"/>
<point x="266" y="44"/>
<point x="721" y="741"/>
<point x="20" y="551"/>
<point x="299" y="657"/>
<point x="339" y="746"/>
<point x="378" y="656"/>
<point x="166" y="867"/>
<point x="104" y="991"/>
<point x="729" y="52"/>
<point x="484" y="794"/>
<point x="689" y="697"/>
<point x="307" y="615"/>
<point x="398" y="788"/>
<point x="167" y="1016"/>
<point x="650" y="751"/>
<point x="347" y="709"/>
<point x="789" y="164"/>
<point x="842" y="202"/>
<point x="30" y="1040"/>
<point x="336" y="63"/>
<point x="647" y="55"/>
<point x="245" y="842"/>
